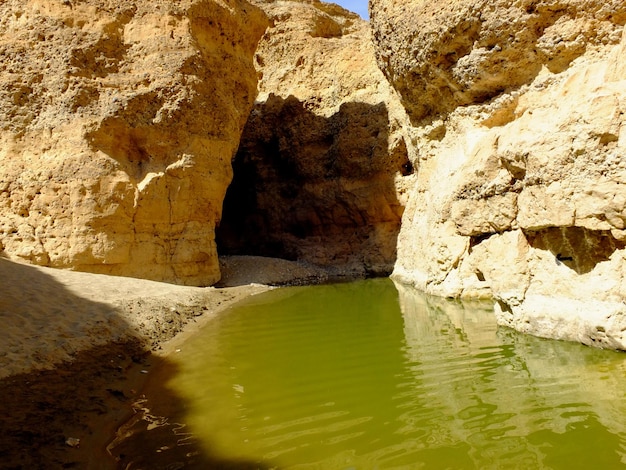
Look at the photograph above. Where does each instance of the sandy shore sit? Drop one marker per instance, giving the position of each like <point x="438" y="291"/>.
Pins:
<point x="76" y="348"/>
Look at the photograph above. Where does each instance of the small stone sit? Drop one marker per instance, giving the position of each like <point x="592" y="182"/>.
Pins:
<point x="72" y="442"/>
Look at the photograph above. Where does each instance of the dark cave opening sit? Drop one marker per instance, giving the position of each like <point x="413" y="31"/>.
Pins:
<point x="314" y="188"/>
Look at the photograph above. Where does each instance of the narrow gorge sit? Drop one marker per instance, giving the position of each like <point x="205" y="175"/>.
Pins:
<point x="318" y="173"/>
<point x="471" y="149"/>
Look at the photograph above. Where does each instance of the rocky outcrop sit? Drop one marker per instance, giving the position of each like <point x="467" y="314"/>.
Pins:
<point x="118" y="122"/>
<point x="517" y="111"/>
<point x="470" y="51"/>
<point x="319" y="172"/>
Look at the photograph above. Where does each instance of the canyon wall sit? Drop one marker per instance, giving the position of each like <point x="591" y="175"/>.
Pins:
<point x="517" y="112"/>
<point x="491" y="129"/>
<point x="319" y="172"/>
<point x="118" y="123"/>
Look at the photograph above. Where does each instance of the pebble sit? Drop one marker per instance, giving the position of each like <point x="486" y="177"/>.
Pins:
<point x="72" y="442"/>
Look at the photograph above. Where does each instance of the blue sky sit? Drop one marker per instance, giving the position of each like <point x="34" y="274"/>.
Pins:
<point x="357" y="6"/>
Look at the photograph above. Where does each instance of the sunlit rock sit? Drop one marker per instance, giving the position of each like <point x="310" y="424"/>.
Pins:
<point x="517" y="112"/>
<point x="118" y="122"/>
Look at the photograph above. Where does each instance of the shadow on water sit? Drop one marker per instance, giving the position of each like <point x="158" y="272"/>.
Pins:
<point x="338" y="376"/>
<point x="315" y="188"/>
<point x="87" y="396"/>
<point x="172" y="431"/>
<point x="157" y="437"/>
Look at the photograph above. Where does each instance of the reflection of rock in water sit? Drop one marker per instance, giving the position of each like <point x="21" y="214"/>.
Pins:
<point x="499" y="395"/>
<point x="470" y="324"/>
<point x="361" y="374"/>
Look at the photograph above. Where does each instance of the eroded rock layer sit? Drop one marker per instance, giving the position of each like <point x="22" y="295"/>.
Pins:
<point x="518" y="112"/>
<point x="318" y="174"/>
<point x="118" y="122"/>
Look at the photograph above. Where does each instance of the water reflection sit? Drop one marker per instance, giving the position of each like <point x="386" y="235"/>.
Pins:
<point x="513" y="401"/>
<point x="372" y="375"/>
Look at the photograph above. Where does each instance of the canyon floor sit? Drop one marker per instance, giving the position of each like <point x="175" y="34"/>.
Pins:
<point x="76" y="349"/>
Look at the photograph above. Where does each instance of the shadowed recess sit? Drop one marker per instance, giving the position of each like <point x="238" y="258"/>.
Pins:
<point x="577" y="248"/>
<point x="314" y="188"/>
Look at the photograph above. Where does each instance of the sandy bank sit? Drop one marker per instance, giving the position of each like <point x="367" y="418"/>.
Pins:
<point x="75" y="348"/>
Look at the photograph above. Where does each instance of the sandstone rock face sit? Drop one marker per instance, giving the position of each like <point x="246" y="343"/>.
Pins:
<point x="469" y="51"/>
<point x="518" y="111"/>
<point x="318" y="174"/>
<point x="118" y="122"/>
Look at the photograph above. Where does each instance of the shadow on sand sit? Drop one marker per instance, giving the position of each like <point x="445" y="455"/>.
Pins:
<point x="85" y="398"/>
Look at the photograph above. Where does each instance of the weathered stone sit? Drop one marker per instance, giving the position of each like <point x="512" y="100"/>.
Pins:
<point x="320" y="165"/>
<point x="118" y="122"/>
<point x="440" y="55"/>
<point x="518" y="110"/>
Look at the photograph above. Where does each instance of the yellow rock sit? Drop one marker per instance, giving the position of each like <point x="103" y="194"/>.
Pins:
<point x="517" y="110"/>
<point x="118" y="124"/>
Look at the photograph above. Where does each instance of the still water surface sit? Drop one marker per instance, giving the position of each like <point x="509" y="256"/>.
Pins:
<point x="369" y="376"/>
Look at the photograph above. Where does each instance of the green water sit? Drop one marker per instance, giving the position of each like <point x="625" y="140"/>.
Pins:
<point x="365" y="376"/>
